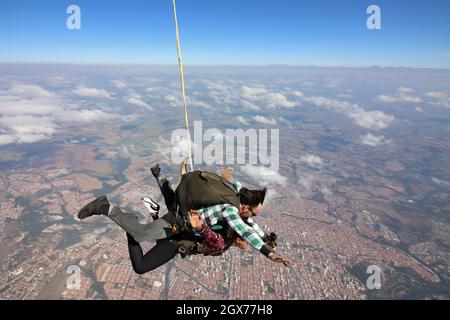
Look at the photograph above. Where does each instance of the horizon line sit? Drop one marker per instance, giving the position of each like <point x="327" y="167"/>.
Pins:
<point x="221" y="65"/>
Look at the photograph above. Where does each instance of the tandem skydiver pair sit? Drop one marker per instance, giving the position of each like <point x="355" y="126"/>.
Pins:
<point x="207" y="214"/>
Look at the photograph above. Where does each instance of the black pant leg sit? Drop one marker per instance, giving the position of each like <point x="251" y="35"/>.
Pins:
<point x="161" y="253"/>
<point x="169" y="195"/>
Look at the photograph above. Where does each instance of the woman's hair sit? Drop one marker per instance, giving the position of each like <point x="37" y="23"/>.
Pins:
<point x="252" y="197"/>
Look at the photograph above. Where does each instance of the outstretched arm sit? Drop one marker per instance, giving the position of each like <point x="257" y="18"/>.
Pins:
<point x="276" y="258"/>
<point x="231" y="215"/>
<point x="268" y="239"/>
<point x="257" y="228"/>
<point x="234" y="220"/>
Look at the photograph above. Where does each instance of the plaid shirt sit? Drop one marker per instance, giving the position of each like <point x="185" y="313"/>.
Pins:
<point x="213" y="243"/>
<point x="251" y="233"/>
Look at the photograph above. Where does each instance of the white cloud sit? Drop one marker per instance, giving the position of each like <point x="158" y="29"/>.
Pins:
<point x="198" y="103"/>
<point x="264" y="120"/>
<point x="151" y="90"/>
<point x="411" y="99"/>
<point x="31" y="137"/>
<point x="439" y="98"/>
<point x="263" y="175"/>
<point x="7" y="139"/>
<point x="172" y="100"/>
<point x="119" y="84"/>
<point x="283" y="120"/>
<point x="274" y="100"/>
<point x="26" y="114"/>
<point x="405" y="90"/>
<point x="191" y="102"/>
<point x="84" y="115"/>
<point x="137" y="102"/>
<point x="442" y="103"/>
<point x="219" y="86"/>
<point x="249" y="105"/>
<point x="15" y="105"/>
<point x="298" y="93"/>
<point x="312" y="160"/>
<point x="27" y="129"/>
<point x="29" y="124"/>
<point x="149" y="80"/>
<point x="83" y="91"/>
<point x="253" y="93"/>
<point x="29" y="113"/>
<point x="241" y="120"/>
<point x="387" y="99"/>
<point x="372" y="140"/>
<point x="401" y="97"/>
<point x="28" y="91"/>
<point x="57" y="80"/>
<point x="436" y="94"/>
<point x="136" y="99"/>
<point x="265" y="97"/>
<point x="375" y="120"/>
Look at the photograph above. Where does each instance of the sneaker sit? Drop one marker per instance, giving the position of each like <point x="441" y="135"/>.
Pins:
<point x="152" y="207"/>
<point x="156" y="170"/>
<point x="99" y="206"/>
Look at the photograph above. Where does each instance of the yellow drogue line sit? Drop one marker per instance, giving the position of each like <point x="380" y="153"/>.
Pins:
<point x="180" y="64"/>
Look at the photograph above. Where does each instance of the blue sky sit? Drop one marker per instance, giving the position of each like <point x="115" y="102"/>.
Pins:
<point x="324" y="33"/>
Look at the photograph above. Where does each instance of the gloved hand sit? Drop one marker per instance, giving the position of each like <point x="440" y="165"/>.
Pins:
<point x="271" y="240"/>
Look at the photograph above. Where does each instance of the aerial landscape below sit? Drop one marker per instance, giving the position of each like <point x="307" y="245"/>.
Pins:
<point x="363" y="178"/>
